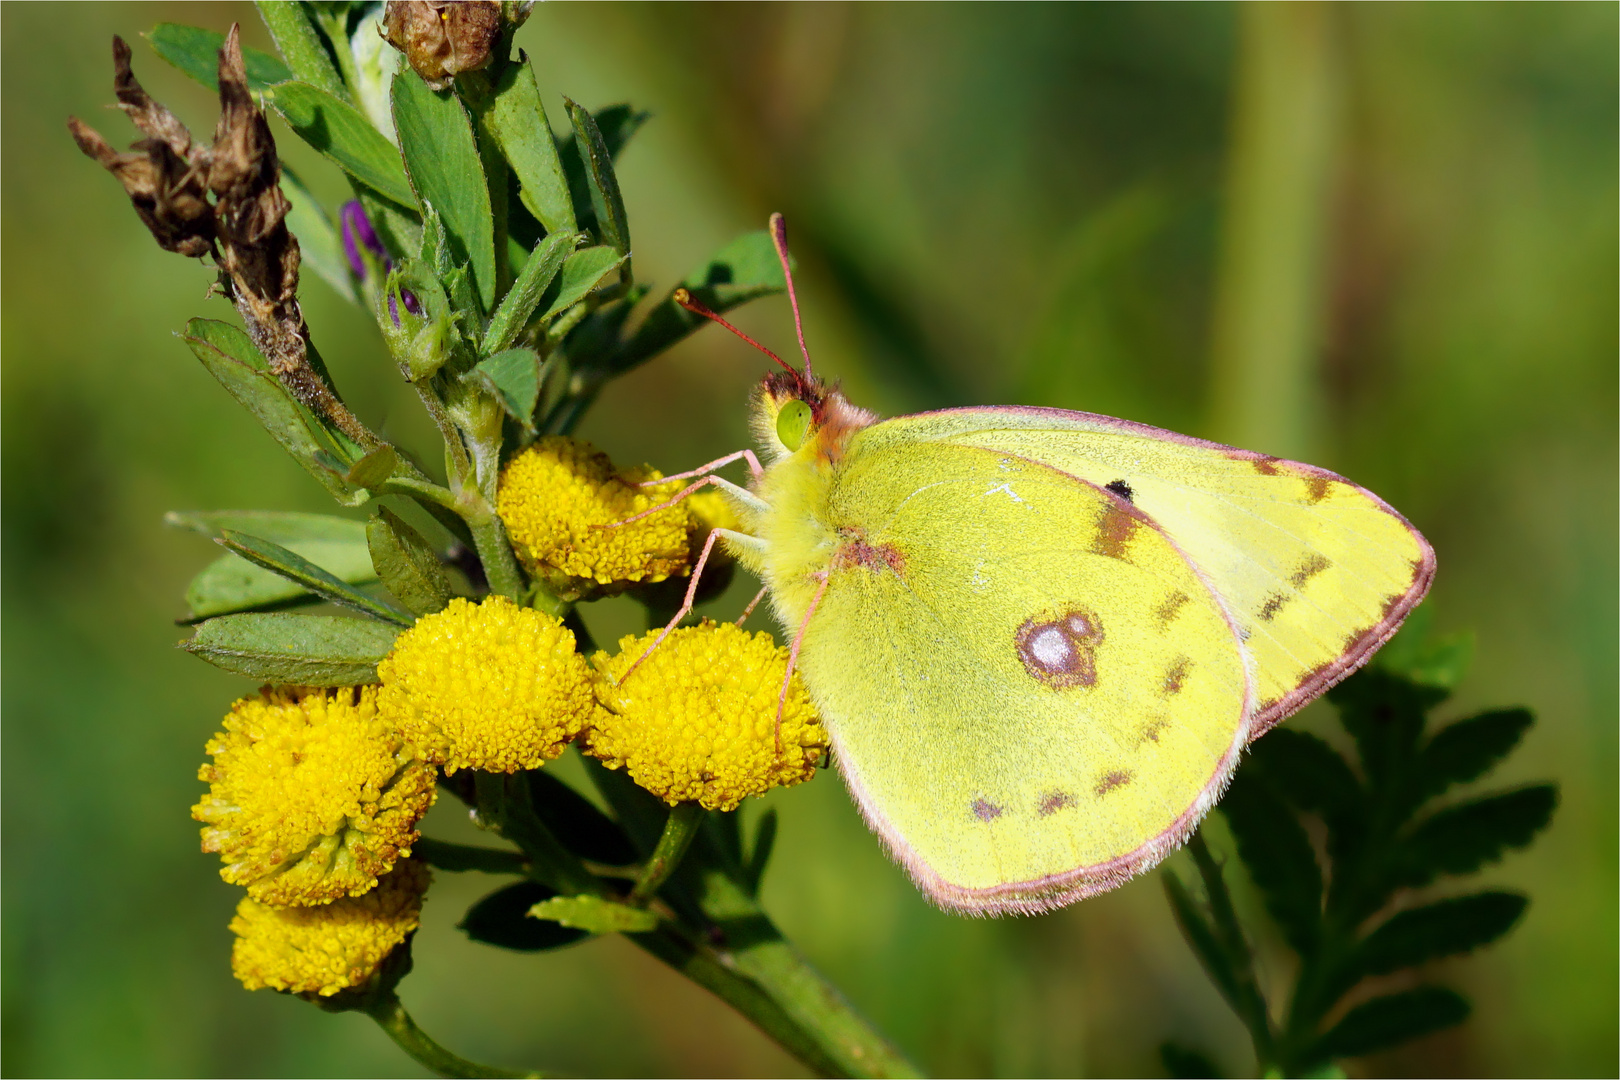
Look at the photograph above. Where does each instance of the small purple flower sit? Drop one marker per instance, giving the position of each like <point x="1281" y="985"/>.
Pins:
<point x="412" y="304"/>
<point x="357" y="230"/>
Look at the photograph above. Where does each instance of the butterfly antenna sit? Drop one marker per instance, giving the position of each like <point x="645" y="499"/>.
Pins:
<point x="685" y="299"/>
<point x="779" y="239"/>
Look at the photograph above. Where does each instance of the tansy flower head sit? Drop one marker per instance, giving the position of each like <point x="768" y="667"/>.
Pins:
<point x="696" y="721"/>
<point x="311" y="795"/>
<point x="489" y="686"/>
<point x="337" y="946"/>
<point x="557" y="496"/>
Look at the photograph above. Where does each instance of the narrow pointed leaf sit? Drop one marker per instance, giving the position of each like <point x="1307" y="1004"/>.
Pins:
<point x="296" y="568"/>
<point x="613" y="225"/>
<point x="1448" y="928"/>
<point x="459" y="858"/>
<point x="406" y="563"/>
<point x="1388" y="1021"/>
<point x="518" y="121"/>
<point x="195" y="52"/>
<point x="284" y="527"/>
<point x="231" y="584"/>
<point x="582" y="272"/>
<point x="502" y="919"/>
<point x="374" y="469"/>
<point x="342" y="133"/>
<point x="575" y="820"/>
<point x="1279" y="857"/>
<point x="1201" y="938"/>
<point x="520" y="302"/>
<point x="1463" y="838"/>
<point x="299" y="650"/>
<point x="441" y="157"/>
<point x="760" y="856"/>
<point x="1465" y="750"/>
<point x="301" y="44"/>
<point x="595" y="915"/>
<point x="319" y="246"/>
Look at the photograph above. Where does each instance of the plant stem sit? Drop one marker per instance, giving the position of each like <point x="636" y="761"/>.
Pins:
<point x="1251" y="1002"/>
<point x="444" y="855"/>
<point x="392" y="1018"/>
<point x="679" y="828"/>
<point x="503" y="801"/>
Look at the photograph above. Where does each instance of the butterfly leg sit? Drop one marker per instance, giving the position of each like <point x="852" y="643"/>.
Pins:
<point x="742" y="494"/>
<point x="754" y="467"/>
<point x="752" y="604"/>
<point x="793" y="655"/>
<point x="691" y="592"/>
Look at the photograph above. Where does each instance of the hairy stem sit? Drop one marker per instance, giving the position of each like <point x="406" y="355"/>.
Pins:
<point x="679" y="829"/>
<point x="392" y="1018"/>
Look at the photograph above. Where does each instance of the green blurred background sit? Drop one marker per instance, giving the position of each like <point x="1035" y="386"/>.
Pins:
<point x="1380" y="235"/>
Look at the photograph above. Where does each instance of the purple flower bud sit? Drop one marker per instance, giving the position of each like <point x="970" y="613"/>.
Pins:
<point x="357" y="230"/>
<point x="412" y="305"/>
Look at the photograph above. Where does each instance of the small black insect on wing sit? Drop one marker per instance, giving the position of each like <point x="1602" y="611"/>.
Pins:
<point x="1120" y="488"/>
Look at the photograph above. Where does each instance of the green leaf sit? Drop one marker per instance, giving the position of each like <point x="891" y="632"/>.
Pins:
<point x="760" y="856"/>
<point x="1385" y="713"/>
<point x="298" y="650"/>
<point x="1279" y="858"/>
<point x="374" y="469"/>
<point x="1181" y="1062"/>
<point x="232" y="359"/>
<point x="513" y="377"/>
<point x="518" y="121"/>
<point x="502" y="918"/>
<point x="526" y="292"/>
<point x="301" y="44"/>
<point x="639" y="811"/>
<point x="583" y="271"/>
<point x="577" y="823"/>
<point x="441" y="157"/>
<point x="232" y="584"/>
<point x="195" y="52"/>
<point x="1312" y="776"/>
<point x="459" y="858"/>
<point x="1202" y="939"/>
<point x="294" y="567"/>
<point x="1387" y="1021"/>
<point x="319" y="246"/>
<point x="407" y="564"/>
<point x="1447" y="928"/>
<point x="613" y="225"/>
<point x="1463" y="838"/>
<point x="743" y="270"/>
<point x="343" y="134"/>
<point x="1466" y="749"/>
<point x="595" y="915"/>
<point x="284" y="527"/>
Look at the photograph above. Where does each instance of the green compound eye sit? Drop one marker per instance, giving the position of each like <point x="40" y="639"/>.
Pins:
<point x="792" y="423"/>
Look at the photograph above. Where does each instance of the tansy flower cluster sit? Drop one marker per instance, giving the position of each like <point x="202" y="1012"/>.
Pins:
<point x="315" y="794"/>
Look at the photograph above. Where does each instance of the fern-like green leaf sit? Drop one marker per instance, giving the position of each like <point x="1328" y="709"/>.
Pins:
<point x="1394" y="1018"/>
<point x="1463" y="751"/>
<point x="1279" y="858"/>
<point x="1447" y="928"/>
<point x="1463" y="838"/>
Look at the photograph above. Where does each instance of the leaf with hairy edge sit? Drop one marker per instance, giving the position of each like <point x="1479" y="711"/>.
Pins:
<point x="1464" y="750"/>
<point x="294" y="567"/>
<point x="613" y="224"/>
<point x="195" y="52"/>
<point x="230" y="584"/>
<point x="232" y="359"/>
<point x="407" y="563"/>
<point x="513" y="377"/>
<point x="533" y="280"/>
<point x="502" y="919"/>
<point x="298" y="40"/>
<point x="1463" y="838"/>
<point x="577" y="823"/>
<point x="595" y="915"/>
<point x="1385" y="1021"/>
<point x="1447" y="928"/>
<point x="743" y="270"/>
<point x="318" y="245"/>
<point x="583" y="272"/>
<point x="342" y="133"/>
<point x="297" y="650"/>
<point x="518" y="121"/>
<point x="1279" y="857"/>
<point x="616" y="123"/>
<point x="441" y="157"/>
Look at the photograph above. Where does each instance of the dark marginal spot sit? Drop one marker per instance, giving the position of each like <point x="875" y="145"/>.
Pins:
<point x="1170" y="608"/>
<point x="1060" y="649"/>
<point x="1176" y="677"/>
<point x="1122" y="489"/>
<point x="1316" y="488"/>
<point x="1054" y="802"/>
<point x="1117" y="778"/>
<point x="1315" y="564"/>
<point x="1114" y="532"/>
<point x="1273" y="604"/>
<point x="1151" y="732"/>
<point x="986" y="811"/>
<point x="1265" y="466"/>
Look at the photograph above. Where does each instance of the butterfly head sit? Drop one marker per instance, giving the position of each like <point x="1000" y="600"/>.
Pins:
<point x="796" y="414"/>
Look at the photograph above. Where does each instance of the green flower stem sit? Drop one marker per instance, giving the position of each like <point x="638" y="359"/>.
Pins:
<point x="443" y="855"/>
<point x="335" y="26"/>
<point x="392" y="1018"/>
<point x="503" y="802"/>
<point x="679" y="829"/>
<point x="1251" y="1003"/>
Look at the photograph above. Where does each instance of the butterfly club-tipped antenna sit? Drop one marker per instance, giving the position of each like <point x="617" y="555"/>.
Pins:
<point x="779" y="241"/>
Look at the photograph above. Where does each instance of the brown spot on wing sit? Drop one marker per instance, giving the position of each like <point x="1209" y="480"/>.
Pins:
<point x="1265" y="466"/>
<point x="1273" y="604"/>
<point x="1315" y="564"/>
<point x="985" y="811"/>
<point x="1054" y="802"/>
<point x="855" y="551"/>
<point x="1176" y="677"/>
<point x="1150" y="733"/>
<point x="1114" y="531"/>
<point x="1112" y="780"/>
<point x="1170" y="608"/>
<point x="1059" y="648"/>
<point x="1316" y="488"/>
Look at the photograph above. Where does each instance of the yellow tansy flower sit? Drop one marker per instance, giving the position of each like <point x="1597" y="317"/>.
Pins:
<point x="311" y="794"/>
<point x="338" y="946"/>
<point x="556" y="496"/>
<point x="696" y="721"/>
<point x="489" y="686"/>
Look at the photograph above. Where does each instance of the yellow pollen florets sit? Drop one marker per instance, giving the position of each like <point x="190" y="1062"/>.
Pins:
<point x="696" y="721"/>
<point x="311" y="795"/>
<point x="322" y="950"/>
<point x="489" y="686"/>
<point x="556" y="498"/>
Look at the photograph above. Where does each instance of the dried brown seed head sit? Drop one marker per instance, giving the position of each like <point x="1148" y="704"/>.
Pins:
<point x="441" y="38"/>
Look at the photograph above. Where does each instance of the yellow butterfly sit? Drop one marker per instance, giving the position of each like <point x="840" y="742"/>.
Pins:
<point x="1041" y="639"/>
